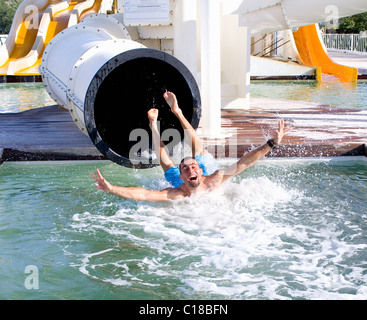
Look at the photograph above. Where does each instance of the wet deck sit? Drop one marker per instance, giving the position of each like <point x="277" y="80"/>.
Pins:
<point x="47" y="133"/>
<point x="318" y="131"/>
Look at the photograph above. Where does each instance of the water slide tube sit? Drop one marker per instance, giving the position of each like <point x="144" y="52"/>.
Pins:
<point x="312" y="52"/>
<point x="35" y="23"/>
<point x="265" y="16"/>
<point x="108" y="83"/>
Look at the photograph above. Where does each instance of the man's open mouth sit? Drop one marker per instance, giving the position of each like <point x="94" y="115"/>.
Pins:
<point x="193" y="178"/>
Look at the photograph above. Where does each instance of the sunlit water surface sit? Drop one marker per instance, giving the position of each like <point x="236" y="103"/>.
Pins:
<point x="342" y="95"/>
<point x="280" y="230"/>
<point x="17" y="97"/>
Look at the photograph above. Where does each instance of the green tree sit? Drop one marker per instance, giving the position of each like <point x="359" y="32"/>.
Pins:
<point x="353" y="24"/>
<point x="7" y="11"/>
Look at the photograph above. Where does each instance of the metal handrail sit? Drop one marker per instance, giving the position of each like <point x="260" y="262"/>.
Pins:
<point x="346" y="42"/>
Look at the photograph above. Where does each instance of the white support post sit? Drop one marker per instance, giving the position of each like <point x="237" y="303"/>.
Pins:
<point x="236" y="62"/>
<point x="247" y="67"/>
<point x="210" y="14"/>
<point x="185" y="26"/>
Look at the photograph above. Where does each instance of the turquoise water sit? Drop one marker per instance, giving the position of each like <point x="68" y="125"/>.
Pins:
<point x="24" y="96"/>
<point x="280" y="230"/>
<point x="17" y="97"/>
<point x="342" y="95"/>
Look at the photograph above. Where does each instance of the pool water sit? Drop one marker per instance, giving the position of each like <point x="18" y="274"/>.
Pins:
<point x="281" y="230"/>
<point x="342" y="95"/>
<point x="17" y="97"/>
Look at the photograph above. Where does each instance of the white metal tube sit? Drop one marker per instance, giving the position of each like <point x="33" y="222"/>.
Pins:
<point x="109" y="82"/>
<point x="265" y="16"/>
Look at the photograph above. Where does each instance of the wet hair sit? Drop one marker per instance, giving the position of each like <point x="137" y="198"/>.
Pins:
<point x="183" y="160"/>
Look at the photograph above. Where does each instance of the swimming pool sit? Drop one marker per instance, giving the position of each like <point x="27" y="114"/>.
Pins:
<point x="342" y="95"/>
<point x="17" y="97"/>
<point x="283" y="229"/>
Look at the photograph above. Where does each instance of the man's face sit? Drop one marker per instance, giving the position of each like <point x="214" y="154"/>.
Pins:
<point x="191" y="172"/>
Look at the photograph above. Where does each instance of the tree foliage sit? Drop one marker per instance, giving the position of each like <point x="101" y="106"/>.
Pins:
<point x="353" y="24"/>
<point x="7" y="11"/>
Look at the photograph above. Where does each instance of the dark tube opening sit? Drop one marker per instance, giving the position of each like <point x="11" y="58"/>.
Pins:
<point x="122" y="92"/>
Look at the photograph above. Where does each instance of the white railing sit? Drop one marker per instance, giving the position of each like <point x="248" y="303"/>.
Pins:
<point x="346" y="42"/>
<point x="3" y="38"/>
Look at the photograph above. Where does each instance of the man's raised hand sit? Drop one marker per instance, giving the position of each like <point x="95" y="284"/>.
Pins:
<point x="281" y="132"/>
<point x="102" y="184"/>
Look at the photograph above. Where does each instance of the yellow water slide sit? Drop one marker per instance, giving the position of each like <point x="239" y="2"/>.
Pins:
<point x="35" y="23"/>
<point x="312" y="52"/>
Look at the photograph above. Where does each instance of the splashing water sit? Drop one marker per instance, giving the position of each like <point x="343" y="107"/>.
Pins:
<point x="247" y="240"/>
<point x="205" y="241"/>
<point x="278" y="231"/>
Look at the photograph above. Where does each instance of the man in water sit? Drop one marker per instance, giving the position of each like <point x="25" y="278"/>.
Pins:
<point x="191" y="175"/>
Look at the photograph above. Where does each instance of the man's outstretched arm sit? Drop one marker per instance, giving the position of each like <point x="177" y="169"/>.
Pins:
<point x="133" y="193"/>
<point x="253" y="156"/>
<point x="191" y="136"/>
